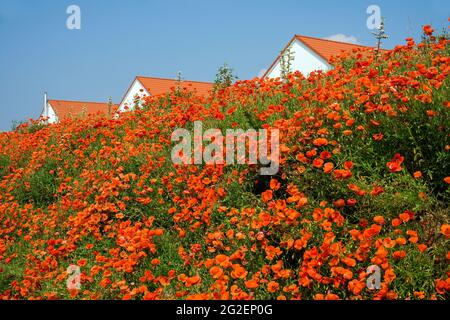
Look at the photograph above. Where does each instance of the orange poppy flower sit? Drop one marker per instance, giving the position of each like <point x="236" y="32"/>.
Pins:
<point x="347" y="132"/>
<point x="339" y="203"/>
<point x="398" y="255"/>
<point x="395" y="164"/>
<point x="331" y="296"/>
<point x="74" y="293"/>
<point x="216" y="272"/>
<point x="120" y="215"/>
<point x="349" y="261"/>
<point x="277" y="267"/>
<point x="319" y="142"/>
<point x="222" y="260"/>
<point x="406" y="216"/>
<point x="273" y="286"/>
<point x="379" y="219"/>
<point x="419" y="294"/>
<point x="389" y="275"/>
<point x="317" y="162"/>
<point x="325" y="155"/>
<point x="348" y="165"/>
<point x="311" y="153"/>
<point x="265" y="218"/>
<point x="274" y="184"/>
<point x="445" y="230"/>
<point x="192" y="280"/>
<point x="267" y="195"/>
<point x="428" y="30"/>
<point x="441" y="286"/>
<point x="377" y="190"/>
<point x="396" y="222"/>
<point x="319" y="296"/>
<point x="81" y="262"/>
<point x="272" y="251"/>
<point x="252" y="284"/>
<point x="328" y="167"/>
<point x="378" y="137"/>
<point x="356" y="286"/>
<point x="155" y="261"/>
<point x="422" y="247"/>
<point x="381" y="252"/>
<point x="238" y="272"/>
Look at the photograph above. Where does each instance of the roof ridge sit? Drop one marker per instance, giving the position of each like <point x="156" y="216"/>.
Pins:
<point x="168" y="79"/>
<point x="77" y="101"/>
<point x="340" y="42"/>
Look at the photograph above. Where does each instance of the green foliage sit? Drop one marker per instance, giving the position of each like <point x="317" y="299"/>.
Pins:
<point x="287" y="56"/>
<point x="40" y="187"/>
<point x="225" y="77"/>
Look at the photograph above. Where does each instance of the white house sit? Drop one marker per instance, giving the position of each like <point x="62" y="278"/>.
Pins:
<point x="48" y="113"/>
<point x="57" y="110"/>
<point x="310" y="54"/>
<point x="151" y="86"/>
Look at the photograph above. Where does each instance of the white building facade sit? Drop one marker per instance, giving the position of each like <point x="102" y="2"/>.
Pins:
<point x="310" y="54"/>
<point x="142" y="87"/>
<point x="48" y="112"/>
<point x="304" y="59"/>
<point x="135" y="91"/>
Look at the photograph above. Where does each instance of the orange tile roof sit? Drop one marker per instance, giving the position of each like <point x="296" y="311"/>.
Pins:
<point x="65" y="109"/>
<point x="322" y="47"/>
<point x="328" y="48"/>
<point x="158" y="86"/>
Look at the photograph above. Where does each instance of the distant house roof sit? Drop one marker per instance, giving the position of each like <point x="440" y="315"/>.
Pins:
<point x="65" y="109"/>
<point x="328" y="48"/>
<point x="322" y="47"/>
<point x="158" y="86"/>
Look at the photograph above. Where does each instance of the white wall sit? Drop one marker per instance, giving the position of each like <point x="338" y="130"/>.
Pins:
<point x="52" y="117"/>
<point x="129" y="98"/>
<point x="49" y="113"/>
<point x="304" y="60"/>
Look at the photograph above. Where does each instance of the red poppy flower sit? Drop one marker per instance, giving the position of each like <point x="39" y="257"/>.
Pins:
<point x="395" y="164"/>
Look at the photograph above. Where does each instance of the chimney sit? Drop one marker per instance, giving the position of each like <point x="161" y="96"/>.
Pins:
<point x="45" y="113"/>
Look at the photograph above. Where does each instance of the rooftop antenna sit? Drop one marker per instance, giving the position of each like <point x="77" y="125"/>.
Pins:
<point x="179" y="79"/>
<point x="179" y="76"/>
<point x="379" y="35"/>
<point x="110" y="104"/>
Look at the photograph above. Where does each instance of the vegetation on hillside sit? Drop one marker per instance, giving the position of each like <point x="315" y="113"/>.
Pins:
<point x="364" y="180"/>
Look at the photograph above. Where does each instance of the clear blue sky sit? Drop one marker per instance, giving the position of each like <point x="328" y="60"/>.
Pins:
<point x="121" y="39"/>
